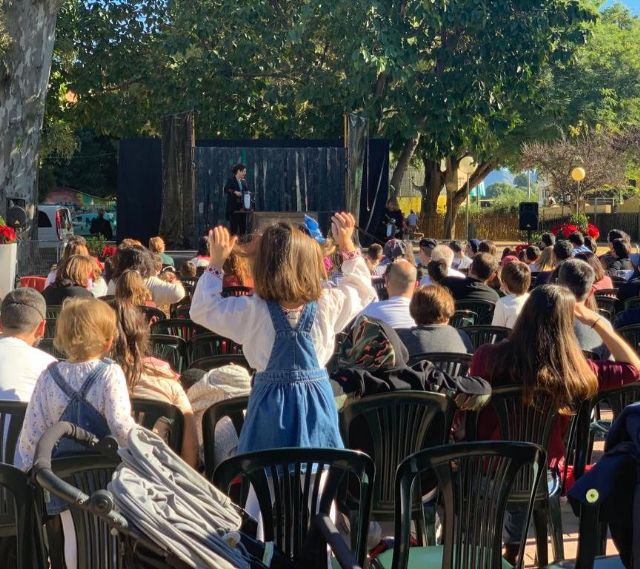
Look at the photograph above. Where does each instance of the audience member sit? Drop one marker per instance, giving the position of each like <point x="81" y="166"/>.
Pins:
<point x="202" y="258"/>
<point x="516" y="280"/>
<point x="157" y="245"/>
<point x="483" y="268"/>
<point x="488" y="246"/>
<point x="444" y="253"/>
<point x="432" y="307"/>
<point x="374" y="257"/>
<point x="542" y="355"/>
<point x="130" y="288"/>
<point x="188" y="270"/>
<point x="236" y="270"/>
<point x="620" y="250"/>
<point x="547" y="240"/>
<point x="77" y="245"/>
<point x="22" y="323"/>
<point x="401" y="281"/>
<point x="427" y="245"/>
<point x="437" y="271"/>
<point x="148" y="377"/>
<point x="531" y="257"/>
<point x="602" y="280"/>
<point x="577" y="242"/>
<point x="472" y="248"/>
<point x="591" y="243"/>
<point x="394" y="249"/>
<point x="562" y="250"/>
<point x="609" y="258"/>
<point x="578" y="277"/>
<point x="461" y="261"/>
<point x="72" y="280"/>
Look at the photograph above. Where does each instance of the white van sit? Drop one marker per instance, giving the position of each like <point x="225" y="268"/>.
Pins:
<point x="54" y="226"/>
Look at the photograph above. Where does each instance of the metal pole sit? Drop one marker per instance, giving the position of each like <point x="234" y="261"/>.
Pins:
<point x="468" y="198"/>
<point x="529" y="185"/>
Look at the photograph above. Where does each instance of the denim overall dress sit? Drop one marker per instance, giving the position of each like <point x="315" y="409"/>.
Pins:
<point x="80" y="412"/>
<point x="291" y="403"/>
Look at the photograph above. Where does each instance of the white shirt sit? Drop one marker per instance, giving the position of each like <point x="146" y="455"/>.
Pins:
<point x="246" y="319"/>
<point x="508" y="309"/>
<point x="109" y="396"/>
<point x="20" y="367"/>
<point x="395" y="312"/>
<point x="462" y="263"/>
<point x="451" y="272"/>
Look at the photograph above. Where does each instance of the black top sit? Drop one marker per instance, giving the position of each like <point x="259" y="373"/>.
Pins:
<point x="470" y="289"/>
<point x="435" y="338"/>
<point x="101" y="226"/>
<point x="55" y="295"/>
<point x="234" y="203"/>
<point x="398" y="218"/>
<point x="621" y="265"/>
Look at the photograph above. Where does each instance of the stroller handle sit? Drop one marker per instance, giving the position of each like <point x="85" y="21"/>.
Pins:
<point x="100" y="502"/>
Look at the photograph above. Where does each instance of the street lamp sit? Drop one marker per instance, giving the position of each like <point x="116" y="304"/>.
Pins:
<point x="577" y="175"/>
<point x="468" y="166"/>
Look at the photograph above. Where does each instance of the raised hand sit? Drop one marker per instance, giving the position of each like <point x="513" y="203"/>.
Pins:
<point x="221" y="243"/>
<point x="342" y="227"/>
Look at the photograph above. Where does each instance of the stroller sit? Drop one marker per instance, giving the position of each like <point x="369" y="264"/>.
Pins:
<point x="142" y="507"/>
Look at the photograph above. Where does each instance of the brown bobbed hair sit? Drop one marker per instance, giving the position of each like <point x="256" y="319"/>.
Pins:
<point x="156" y="245"/>
<point x="75" y="271"/>
<point x="432" y="305"/>
<point x="542" y="352"/>
<point x="130" y="287"/>
<point x="237" y="265"/>
<point x="288" y="266"/>
<point x="84" y="327"/>
<point x="516" y="277"/>
<point x="595" y="264"/>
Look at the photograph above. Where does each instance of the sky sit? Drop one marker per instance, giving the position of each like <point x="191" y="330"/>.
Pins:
<point x="634" y="5"/>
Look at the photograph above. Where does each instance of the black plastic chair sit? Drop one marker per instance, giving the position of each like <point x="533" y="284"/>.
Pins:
<point x="483" y="308"/>
<point x="206" y="345"/>
<point x="520" y="421"/>
<point x="50" y="328"/>
<point x="632" y="303"/>
<point x="46" y="345"/>
<point x="152" y="314"/>
<point x="380" y="286"/>
<point x="52" y="311"/>
<point x="293" y="485"/>
<point x="214" y="362"/>
<point x="451" y="363"/>
<point x="464" y="318"/>
<point x="181" y="309"/>
<point x="151" y="413"/>
<point x="481" y="335"/>
<point x="607" y="292"/>
<point x="22" y="519"/>
<point x="389" y="427"/>
<point x="170" y="349"/>
<point x="180" y="327"/>
<point x="189" y="281"/>
<point x="606" y="305"/>
<point x="233" y="409"/>
<point x="474" y="481"/>
<point x="632" y="335"/>
<point x="236" y="291"/>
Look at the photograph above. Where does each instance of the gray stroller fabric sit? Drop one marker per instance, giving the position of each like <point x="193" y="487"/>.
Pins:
<point x="174" y="506"/>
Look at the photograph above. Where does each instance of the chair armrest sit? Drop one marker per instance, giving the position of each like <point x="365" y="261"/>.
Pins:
<point x="323" y="524"/>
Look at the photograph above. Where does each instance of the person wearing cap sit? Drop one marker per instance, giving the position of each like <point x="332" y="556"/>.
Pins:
<point x="426" y="245"/>
<point x="401" y="280"/>
<point x="443" y="253"/>
<point x="22" y="323"/>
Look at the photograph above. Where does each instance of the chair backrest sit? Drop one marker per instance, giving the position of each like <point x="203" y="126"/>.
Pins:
<point x="236" y="291"/>
<point x="451" y="363"/>
<point x="519" y="421"/>
<point x="483" y="308"/>
<point x="480" y="335"/>
<point x="474" y="481"/>
<point x="181" y="310"/>
<point x="380" y="425"/>
<point x="46" y="345"/>
<point x="171" y="349"/>
<point x="606" y="306"/>
<point x="52" y="311"/>
<point x="632" y="302"/>
<point x="11" y="420"/>
<point x="24" y="518"/>
<point x="163" y="416"/>
<point x="380" y="286"/>
<point x="234" y="409"/>
<point x="618" y="398"/>
<point x="464" y="318"/>
<point x="185" y="329"/>
<point x="618" y="280"/>
<point x="214" y="362"/>
<point x="292" y="485"/>
<point x="632" y="335"/>
<point x="205" y="345"/>
<point x="607" y="292"/>
<point x="50" y="328"/>
<point x="97" y="545"/>
<point x="189" y="282"/>
<point x="152" y="314"/>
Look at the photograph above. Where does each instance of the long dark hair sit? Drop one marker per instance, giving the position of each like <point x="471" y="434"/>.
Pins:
<point x="543" y="353"/>
<point x="131" y="345"/>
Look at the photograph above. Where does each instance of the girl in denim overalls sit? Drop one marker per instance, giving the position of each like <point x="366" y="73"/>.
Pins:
<point x="287" y="330"/>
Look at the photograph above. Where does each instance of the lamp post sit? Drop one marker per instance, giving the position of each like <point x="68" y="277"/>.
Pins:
<point x="577" y="175"/>
<point x="468" y="166"/>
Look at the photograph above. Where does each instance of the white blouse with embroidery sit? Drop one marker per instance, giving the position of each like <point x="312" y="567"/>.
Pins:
<point x="246" y="319"/>
<point x="109" y="396"/>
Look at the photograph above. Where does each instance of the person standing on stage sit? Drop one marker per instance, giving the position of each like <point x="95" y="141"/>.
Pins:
<point x="234" y="189"/>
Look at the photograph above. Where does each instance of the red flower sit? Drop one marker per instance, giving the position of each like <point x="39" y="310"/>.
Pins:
<point x="7" y="234"/>
<point x="522" y="247"/>
<point x="593" y="231"/>
<point x="108" y="251"/>
<point x="568" y="229"/>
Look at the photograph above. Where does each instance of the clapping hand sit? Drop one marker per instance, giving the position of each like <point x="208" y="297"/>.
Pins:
<point x="221" y="243"/>
<point x="342" y="228"/>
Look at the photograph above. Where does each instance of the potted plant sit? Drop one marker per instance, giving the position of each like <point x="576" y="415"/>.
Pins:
<point x="8" y="255"/>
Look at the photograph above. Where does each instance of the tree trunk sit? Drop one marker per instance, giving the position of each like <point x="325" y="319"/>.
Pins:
<point x="403" y="163"/>
<point x="430" y="192"/>
<point x="451" y="185"/>
<point x="24" y="76"/>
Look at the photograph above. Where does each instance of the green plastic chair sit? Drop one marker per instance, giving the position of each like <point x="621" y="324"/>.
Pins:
<point x="170" y="349"/>
<point x="294" y="485"/>
<point x="451" y="363"/>
<point x="486" y="334"/>
<point x="209" y="344"/>
<point x="147" y="413"/>
<point x="180" y="327"/>
<point x="474" y="481"/>
<point x="483" y="308"/>
<point x="463" y="318"/>
<point x="389" y="427"/>
<point x="632" y="335"/>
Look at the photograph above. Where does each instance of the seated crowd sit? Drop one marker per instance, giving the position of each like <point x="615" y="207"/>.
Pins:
<point x="557" y="341"/>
